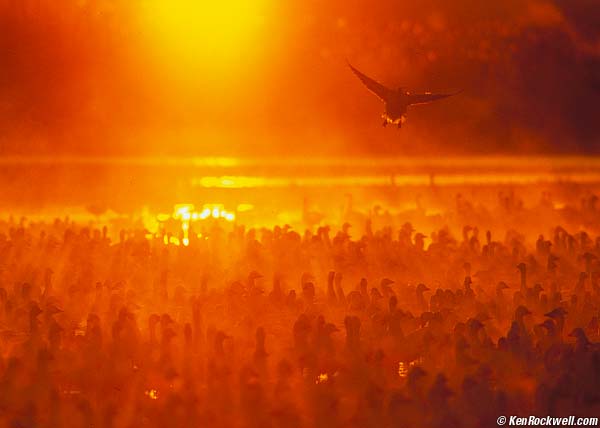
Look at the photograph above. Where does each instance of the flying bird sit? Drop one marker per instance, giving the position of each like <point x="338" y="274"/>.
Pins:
<point x="397" y="100"/>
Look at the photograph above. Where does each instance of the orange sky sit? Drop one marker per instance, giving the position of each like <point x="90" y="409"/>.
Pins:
<point x="260" y="77"/>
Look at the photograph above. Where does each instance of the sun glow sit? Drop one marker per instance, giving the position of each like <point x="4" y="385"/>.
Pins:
<point x="205" y="34"/>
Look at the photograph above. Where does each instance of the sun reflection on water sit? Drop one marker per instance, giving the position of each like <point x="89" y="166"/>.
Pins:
<point x="175" y="228"/>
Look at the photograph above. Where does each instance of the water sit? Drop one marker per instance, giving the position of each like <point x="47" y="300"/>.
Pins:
<point x="276" y="186"/>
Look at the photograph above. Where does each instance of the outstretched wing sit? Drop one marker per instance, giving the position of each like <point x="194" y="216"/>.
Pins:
<point x="375" y="87"/>
<point x="427" y="97"/>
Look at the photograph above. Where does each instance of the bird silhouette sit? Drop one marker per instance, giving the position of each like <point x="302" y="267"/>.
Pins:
<point x="397" y="101"/>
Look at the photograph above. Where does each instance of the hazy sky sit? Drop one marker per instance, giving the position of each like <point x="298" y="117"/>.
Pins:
<point x="266" y="77"/>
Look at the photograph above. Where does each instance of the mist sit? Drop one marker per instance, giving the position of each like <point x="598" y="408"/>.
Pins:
<point x="90" y="78"/>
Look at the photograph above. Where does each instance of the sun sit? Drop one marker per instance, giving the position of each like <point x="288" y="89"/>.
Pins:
<point x="212" y="35"/>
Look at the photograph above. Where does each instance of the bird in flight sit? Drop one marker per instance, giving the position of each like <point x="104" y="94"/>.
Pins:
<point x="397" y="100"/>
